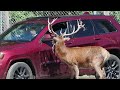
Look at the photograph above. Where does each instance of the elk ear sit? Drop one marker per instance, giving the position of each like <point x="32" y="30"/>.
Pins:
<point x="66" y="39"/>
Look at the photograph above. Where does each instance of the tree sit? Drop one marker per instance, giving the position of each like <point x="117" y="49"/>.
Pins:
<point x="16" y="16"/>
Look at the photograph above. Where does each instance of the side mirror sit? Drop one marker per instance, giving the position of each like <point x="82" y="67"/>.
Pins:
<point x="46" y="37"/>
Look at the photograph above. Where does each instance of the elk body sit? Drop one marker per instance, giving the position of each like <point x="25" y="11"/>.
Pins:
<point x="76" y="57"/>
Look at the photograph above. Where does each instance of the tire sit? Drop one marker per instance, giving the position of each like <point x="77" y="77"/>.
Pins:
<point x="19" y="70"/>
<point x="112" y="68"/>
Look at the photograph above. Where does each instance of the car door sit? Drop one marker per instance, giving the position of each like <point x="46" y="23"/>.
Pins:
<point x="106" y="33"/>
<point x="51" y="66"/>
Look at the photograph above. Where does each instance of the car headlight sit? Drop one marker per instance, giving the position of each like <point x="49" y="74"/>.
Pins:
<point x="1" y="55"/>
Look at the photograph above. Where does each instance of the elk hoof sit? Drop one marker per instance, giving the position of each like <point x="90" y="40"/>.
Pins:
<point x="78" y="77"/>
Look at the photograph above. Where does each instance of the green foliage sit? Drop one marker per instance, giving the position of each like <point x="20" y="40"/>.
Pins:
<point x="16" y="16"/>
<point x="116" y="14"/>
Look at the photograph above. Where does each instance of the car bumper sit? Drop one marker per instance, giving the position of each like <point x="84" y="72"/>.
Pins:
<point x="3" y="71"/>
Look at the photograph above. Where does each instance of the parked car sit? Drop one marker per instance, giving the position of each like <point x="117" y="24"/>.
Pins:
<point x="26" y="47"/>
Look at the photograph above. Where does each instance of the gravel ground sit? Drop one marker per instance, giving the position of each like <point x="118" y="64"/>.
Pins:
<point x="87" y="77"/>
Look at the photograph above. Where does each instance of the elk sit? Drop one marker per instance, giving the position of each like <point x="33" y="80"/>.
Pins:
<point x="76" y="57"/>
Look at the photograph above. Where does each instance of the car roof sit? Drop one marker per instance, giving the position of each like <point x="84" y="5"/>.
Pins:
<point x="63" y="17"/>
<point x="45" y="19"/>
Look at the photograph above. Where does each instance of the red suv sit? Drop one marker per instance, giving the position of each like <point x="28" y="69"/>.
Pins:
<point x="26" y="47"/>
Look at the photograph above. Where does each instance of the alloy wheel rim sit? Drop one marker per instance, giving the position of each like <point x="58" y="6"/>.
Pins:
<point x="112" y="69"/>
<point x="21" y="73"/>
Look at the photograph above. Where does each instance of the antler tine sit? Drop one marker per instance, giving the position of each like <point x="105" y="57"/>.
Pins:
<point x="54" y="20"/>
<point x="80" y="24"/>
<point x="62" y="34"/>
<point x="49" y="24"/>
<point x="73" y="28"/>
<point x="65" y="32"/>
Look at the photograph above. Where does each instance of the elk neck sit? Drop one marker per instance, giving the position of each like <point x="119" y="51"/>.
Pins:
<point x="60" y="48"/>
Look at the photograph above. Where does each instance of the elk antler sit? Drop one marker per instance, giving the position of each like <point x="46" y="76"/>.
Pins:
<point x="50" y="29"/>
<point x="80" y="25"/>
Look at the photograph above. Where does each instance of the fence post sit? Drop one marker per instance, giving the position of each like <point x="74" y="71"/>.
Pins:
<point x="5" y="20"/>
<point x="95" y="12"/>
<point x="106" y="12"/>
<point x="0" y="22"/>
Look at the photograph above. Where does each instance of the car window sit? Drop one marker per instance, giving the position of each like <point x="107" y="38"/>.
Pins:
<point x="23" y="32"/>
<point x="103" y="26"/>
<point x="69" y="27"/>
<point x="82" y="33"/>
<point x="59" y="26"/>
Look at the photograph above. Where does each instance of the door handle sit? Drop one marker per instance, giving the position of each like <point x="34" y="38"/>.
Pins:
<point x="68" y="43"/>
<point x="97" y="38"/>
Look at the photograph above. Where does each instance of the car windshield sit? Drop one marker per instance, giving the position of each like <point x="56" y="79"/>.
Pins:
<point x="22" y="32"/>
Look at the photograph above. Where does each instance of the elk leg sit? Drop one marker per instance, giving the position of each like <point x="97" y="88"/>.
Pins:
<point x="72" y="72"/>
<point x="96" y="62"/>
<point x="99" y="71"/>
<point x="76" y="69"/>
<point x="103" y="69"/>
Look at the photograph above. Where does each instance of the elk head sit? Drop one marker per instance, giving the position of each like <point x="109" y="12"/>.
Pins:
<point x="61" y="37"/>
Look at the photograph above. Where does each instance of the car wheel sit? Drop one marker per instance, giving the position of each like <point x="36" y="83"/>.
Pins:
<point x="112" y="68"/>
<point x="19" y="70"/>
